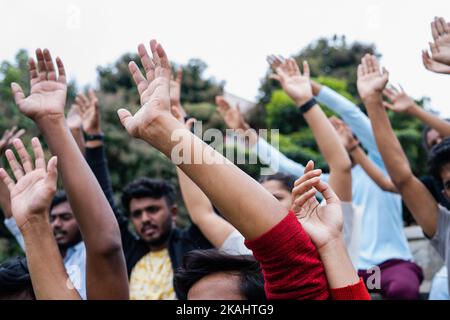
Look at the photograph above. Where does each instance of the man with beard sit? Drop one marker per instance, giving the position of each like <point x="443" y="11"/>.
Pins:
<point x="160" y="246"/>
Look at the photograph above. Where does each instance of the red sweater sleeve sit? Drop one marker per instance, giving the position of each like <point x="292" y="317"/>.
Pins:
<point x="354" y="292"/>
<point x="290" y="262"/>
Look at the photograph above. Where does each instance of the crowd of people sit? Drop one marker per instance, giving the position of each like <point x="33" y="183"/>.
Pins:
<point x="298" y="233"/>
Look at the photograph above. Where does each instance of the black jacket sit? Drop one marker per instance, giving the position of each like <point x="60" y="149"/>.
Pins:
<point x="181" y="241"/>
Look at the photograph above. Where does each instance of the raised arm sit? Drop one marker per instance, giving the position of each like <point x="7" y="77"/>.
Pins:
<point x="74" y="123"/>
<point x="401" y="102"/>
<point x="106" y="272"/>
<point x="418" y="199"/>
<point x="439" y="61"/>
<point x="31" y="196"/>
<point x="298" y="87"/>
<point x="243" y="202"/>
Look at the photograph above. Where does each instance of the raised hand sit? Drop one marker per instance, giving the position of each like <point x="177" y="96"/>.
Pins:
<point x="371" y="81"/>
<point x="294" y="83"/>
<point x="401" y="102"/>
<point x="48" y="90"/>
<point x="323" y="223"/>
<point x="90" y="112"/>
<point x="35" y="187"/>
<point x="74" y="120"/>
<point x="154" y="91"/>
<point x="432" y="65"/>
<point x="345" y="133"/>
<point x="231" y="115"/>
<point x="9" y="136"/>
<point x="440" y="49"/>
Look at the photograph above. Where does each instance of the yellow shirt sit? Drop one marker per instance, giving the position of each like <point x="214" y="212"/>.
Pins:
<point x="152" y="277"/>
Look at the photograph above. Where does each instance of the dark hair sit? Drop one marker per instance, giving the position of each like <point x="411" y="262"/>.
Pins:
<point x="438" y="157"/>
<point x="59" y="198"/>
<point x="287" y="180"/>
<point x="15" y="278"/>
<point x="147" y="188"/>
<point x="201" y="263"/>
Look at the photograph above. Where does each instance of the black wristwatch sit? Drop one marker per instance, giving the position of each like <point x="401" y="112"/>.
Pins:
<point x="94" y="137"/>
<point x="307" y="105"/>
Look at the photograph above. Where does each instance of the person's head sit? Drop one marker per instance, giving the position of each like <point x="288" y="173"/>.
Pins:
<point x="15" y="281"/>
<point x="63" y="222"/>
<point x="215" y="275"/>
<point x="280" y="185"/>
<point x="150" y="204"/>
<point x="431" y="137"/>
<point x="439" y="164"/>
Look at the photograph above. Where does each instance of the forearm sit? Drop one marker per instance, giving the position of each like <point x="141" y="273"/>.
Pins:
<point x="77" y="134"/>
<point x="248" y="207"/>
<point x="360" y="157"/>
<point x="338" y="266"/>
<point x="48" y="274"/>
<point x="431" y="120"/>
<point x="333" y="151"/>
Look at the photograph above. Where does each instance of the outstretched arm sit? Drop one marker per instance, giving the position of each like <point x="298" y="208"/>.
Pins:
<point x="298" y="87"/>
<point x="31" y="196"/>
<point x="243" y="202"/>
<point x="401" y="102"/>
<point x="106" y="274"/>
<point x="418" y="199"/>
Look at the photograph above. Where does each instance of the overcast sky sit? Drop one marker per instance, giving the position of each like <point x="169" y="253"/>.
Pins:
<point x="233" y="37"/>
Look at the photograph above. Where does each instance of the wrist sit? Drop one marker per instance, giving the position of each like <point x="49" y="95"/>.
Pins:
<point x="35" y="223"/>
<point x="413" y="110"/>
<point x="159" y="133"/>
<point x="304" y="99"/>
<point x="371" y="98"/>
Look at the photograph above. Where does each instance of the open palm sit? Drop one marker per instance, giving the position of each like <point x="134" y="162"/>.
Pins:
<point x="154" y="90"/>
<point x="48" y="91"/>
<point x="35" y="187"/>
<point x="231" y="115"/>
<point x="370" y="79"/>
<point x="440" y="49"/>
<point x="401" y="102"/>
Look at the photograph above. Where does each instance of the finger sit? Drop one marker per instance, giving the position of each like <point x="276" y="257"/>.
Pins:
<point x="139" y="80"/>
<point x="177" y="114"/>
<point x="308" y="175"/>
<point x="147" y="63"/>
<point x="34" y="75"/>
<point x="365" y="68"/>
<point x="439" y="26"/>
<point x="41" y="65"/>
<point x="306" y="71"/>
<point x="24" y="156"/>
<point x="4" y="176"/>
<point x="446" y="26"/>
<point x="18" y="94"/>
<point x="375" y="64"/>
<point x="61" y="70"/>
<point x="328" y="193"/>
<point x="126" y="119"/>
<point x="162" y="56"/>
<point x="301" y="200"/>
<point x="370" y="65"/>
<point x="190" y="123"/>
<point x="388" y="106"/>
<point x="38" y="153"/>
<point x="52" y="171"/>
<point x="84" y="100"/>
<point x="309" y="167"/>
<point x="360" y="71"/>
<point x="18" y="134"/>
<point x="389" y="94"/>
<point x="93" y="98"/>
<point x="305" y="186"/>
<point x="14" y="164"/>
<point x="385" y="74"/>
<point x="433" y="48"/>
<point x="51" y="73"/>
<point x="222" y="103"/>
<point x="426" y="59"/>
<point x="434" y="31"/>
<point x="155" y="56"/>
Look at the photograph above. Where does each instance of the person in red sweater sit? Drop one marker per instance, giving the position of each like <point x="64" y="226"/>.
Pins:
<point x="292" y="268"/>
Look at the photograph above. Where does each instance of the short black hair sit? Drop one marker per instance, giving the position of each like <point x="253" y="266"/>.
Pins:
<point x="201" y="263"/>
<point x="287" y="180"/>
<point x="14" y="277"/>
<point x="60" y="197"/>
<point x="147" y="188"/>
<point x="425" y="131"/>
<point x="438" y="157"/>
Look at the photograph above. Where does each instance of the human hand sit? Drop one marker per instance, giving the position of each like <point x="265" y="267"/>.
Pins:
<point x="323" y="223"/>
<point x="345" y="133"/>
<point x="48" y="91"/>
<point x="433" y="65"/>
<point x="33" y="192"/>
<point x="294" y="83"/>
<point x="8" y="137"/>
<point x="154" y="91"/>
<point x="74" y="121"/>
<point x="440" y="49"/>
<point x="90" y="112"/>
<point x="232" y="116"/>
<point x="371" y="81"/>
<point x="401" y="102"/>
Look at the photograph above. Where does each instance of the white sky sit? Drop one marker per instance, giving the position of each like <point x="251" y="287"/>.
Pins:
<point x="233" y="37"/>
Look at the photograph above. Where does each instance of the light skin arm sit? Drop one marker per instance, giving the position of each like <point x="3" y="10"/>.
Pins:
<point x="324" y="225"/>
<point x="401" y="102"/>
<point x="253" y="210"/>
<point x="90" y="117"/>
<point x="298" y="87"/>
<point x="74" y="124"/>
<point x="106" y="271"/>
<point x="439" y="61"/>
<point x="31" y="196"/>
<point x="416" y="196"/>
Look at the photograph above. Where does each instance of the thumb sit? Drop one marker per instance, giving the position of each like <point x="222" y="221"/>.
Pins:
<point x="309" y="167"/>
<point x="52" y="171"/>
<point x="126" y="120"/>
<point x="18" y="94"/>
